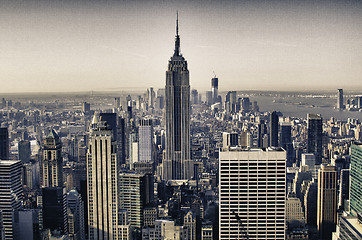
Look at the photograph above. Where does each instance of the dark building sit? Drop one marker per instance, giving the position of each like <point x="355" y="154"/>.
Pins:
<point x="285" y="141"/>
<point x="55" y="209"/>
<point x="274" y="125"/>
<point x="111" y="120"/>
<point x="177" y="163"/>
<point x="24" y="151"/>
<point x="215" y="89"/>
<point x="4" y="144"/>
<point x="121" y="140"/>
<point x="315" y="136"/>
<point x="262" y="131"/>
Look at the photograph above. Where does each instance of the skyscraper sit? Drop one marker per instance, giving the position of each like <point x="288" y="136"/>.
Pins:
<point x="102" y="169"/>
<point x="356" y="179"/>
<point x="10" y="194"/>
<point x="252" y="194"/>
<point x="215" y="89"/>
<point x="274" y="125"/>
<point x="177" y="163"/>
<point x="327" y="201"/>
<point x="315" y="136"/>
<point x="4" y="143"/>
<point x="55" y="209"/>
<point x="52" y="166"/>
<point x="136" y="191"/>
<point x="340" y="105"/>
<point x="24" y="150"/>
<point x="145" y="143"/>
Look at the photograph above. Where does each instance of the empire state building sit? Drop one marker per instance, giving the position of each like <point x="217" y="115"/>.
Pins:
<point x="177" y="163"/>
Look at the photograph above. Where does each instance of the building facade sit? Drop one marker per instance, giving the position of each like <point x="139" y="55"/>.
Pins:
<point x="252" y="194"/>
<point x="102" y="169"/>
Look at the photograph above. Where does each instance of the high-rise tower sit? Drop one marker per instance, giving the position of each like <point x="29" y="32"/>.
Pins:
<point x="315" y="131"/>
<point x="340" y="105"/>
<point x="177" y="163"/>
<point x="102" y="169"/>
<point x="252" y="193"/>
<point x="215" y="89"/>
<point x="52" y="161"/>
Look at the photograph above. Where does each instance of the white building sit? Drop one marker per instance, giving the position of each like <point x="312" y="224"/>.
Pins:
<point x="252" y="193"/>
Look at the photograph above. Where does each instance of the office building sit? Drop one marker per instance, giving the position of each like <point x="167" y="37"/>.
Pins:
<point x="52" y="166"/>
<point x="244" y="103"/>
<point x="252" y="194"/>
<point x="76" y="224"/>
<point x="262" y="134"/>
<point x="327" y="201"/>
<point x="356" y="179"/>
<point x="230" y="139"/>
<point x="340" y="105"/>
<point x="10" y="194"/>
<point x="135" y="192"/>
<point x="121" y="143"/>
<point x="194" y="96"/>
<point x="54" y="209"/>
<point x="344" y="190"/>
<point x="27" y="224"/>
<point x="111" y="122"/>
<point x="102" y="170"/>
<point x="24" y="151"/>
<point x="215" y="89"/>
<point x="274" y="129"/>
<point x="190" y="226"/>
<point x="310" y="203"/>
<point x="85" y="107"/>
<point x="294" y="214"/>
<point x="349" y="227"/>
<point x="177" y="163"/>
<point x="145" y="141"/>
<point x="4" y="143"/>
<point x="314" y="139"/>
<point x="164" y="229"/>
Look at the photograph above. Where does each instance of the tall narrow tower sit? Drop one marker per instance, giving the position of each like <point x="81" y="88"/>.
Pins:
<point x="52" y="161"/>
<point x="102" y="180"/>
<point x="177" y="163"/>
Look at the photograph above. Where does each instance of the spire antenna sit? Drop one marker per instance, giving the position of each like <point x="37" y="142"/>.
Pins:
<point x="176" y="23"/>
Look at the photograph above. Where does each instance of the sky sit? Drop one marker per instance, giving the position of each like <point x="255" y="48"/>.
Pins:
<point x="74" y="45"/>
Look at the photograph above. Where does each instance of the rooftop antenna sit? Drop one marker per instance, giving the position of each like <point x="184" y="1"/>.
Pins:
<point x="176" y="23"/>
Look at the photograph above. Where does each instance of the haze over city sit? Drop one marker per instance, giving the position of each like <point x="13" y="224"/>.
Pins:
<point x="69" y="46"/>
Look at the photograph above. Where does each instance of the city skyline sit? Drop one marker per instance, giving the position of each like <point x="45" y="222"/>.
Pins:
<point x="57" y="46"/>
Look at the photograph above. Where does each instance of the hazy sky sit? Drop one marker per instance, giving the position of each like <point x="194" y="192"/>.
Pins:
<point x="112" y="45"/>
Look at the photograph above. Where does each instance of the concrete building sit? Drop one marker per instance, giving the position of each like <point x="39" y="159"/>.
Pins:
<point x="145" y="142"/>
<point x="10" y="194"/>
<point x="164" y="229"/>
<point x="4" y="143"/>
<point x="135" y="192"/>
<point x="102" y="188"/>
<point x="274" y="129"/>
<point x="314" y="139"/>
<point x="356" y="179"/>
<point x="340" y="105"/>
<point x="294" y="214"/>
<point x="252" y="193"/>
<point x="177" y="163"/>
<point x="327" y="201"/>
<point x="349" y="227"/>
<point x="52" y="165"/>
